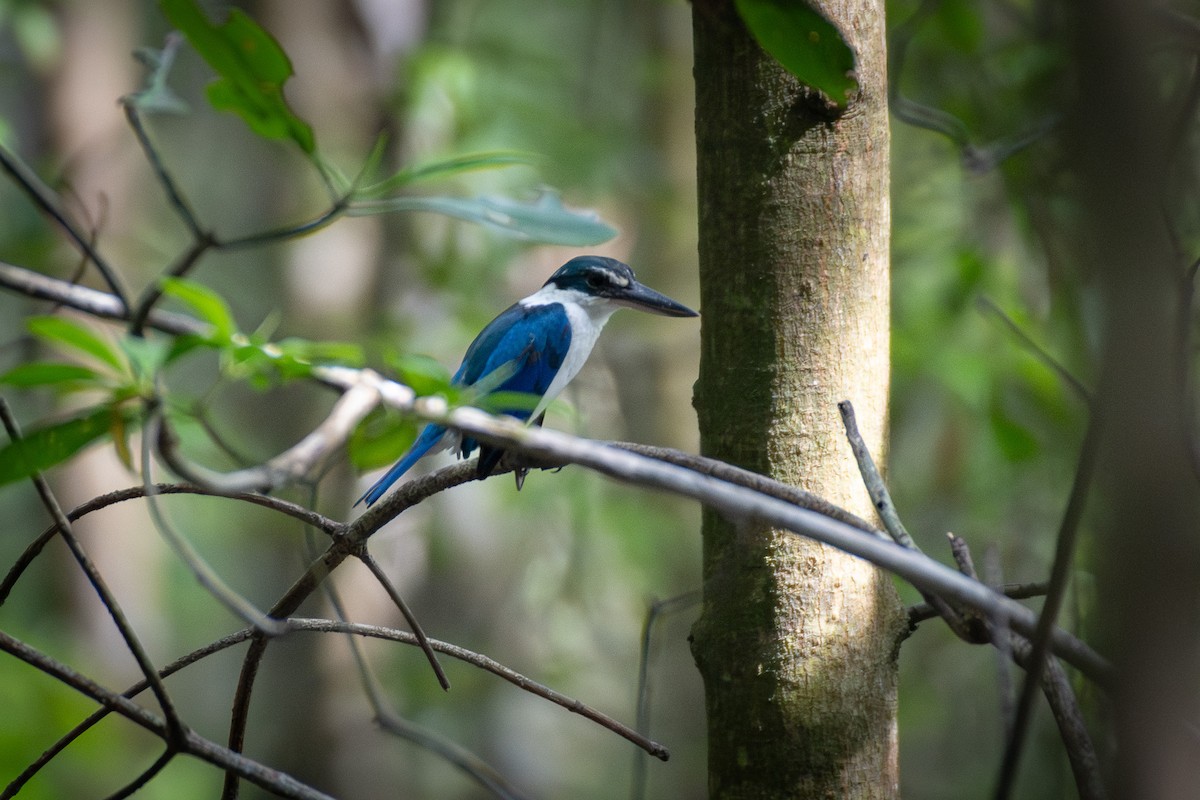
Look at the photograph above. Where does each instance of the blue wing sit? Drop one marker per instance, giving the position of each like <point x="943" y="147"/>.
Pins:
<point x="429" y="436"/>
<point x="531" y="342"/>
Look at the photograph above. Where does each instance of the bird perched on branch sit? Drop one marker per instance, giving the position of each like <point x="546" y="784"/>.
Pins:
<point x="535" y="348"/>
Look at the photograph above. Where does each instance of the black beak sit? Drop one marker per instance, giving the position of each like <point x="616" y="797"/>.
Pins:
<point x="644" y="298"/>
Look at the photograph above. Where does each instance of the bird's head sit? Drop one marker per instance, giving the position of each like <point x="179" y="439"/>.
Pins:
<point x="613" y="281"/>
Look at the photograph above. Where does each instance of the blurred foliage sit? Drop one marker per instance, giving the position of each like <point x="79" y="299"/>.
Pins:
<point x="479" y="100"/>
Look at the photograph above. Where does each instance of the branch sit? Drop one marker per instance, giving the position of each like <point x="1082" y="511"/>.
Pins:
<point x="192" y="743"/>
<point x="91" y="301"/>
<point x="1064" y="554"/>
<point x="44" y="198"/>
<point x="34" y="548"/>
<point x="295" y="464"/>
<point x="490" y="665"/>
<point x="109" y="601"/>
<point x="734" y="501"/>
<point x="470" y="764"/>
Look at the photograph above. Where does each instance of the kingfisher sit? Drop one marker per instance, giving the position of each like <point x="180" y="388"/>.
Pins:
<point x="536" y="347"/>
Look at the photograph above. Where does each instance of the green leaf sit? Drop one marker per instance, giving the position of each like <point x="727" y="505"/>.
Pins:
<point x="74" y="336"/>
<point x="209" y="305"/>
<point x="805" y="43"/>
<point x="1015" y="441"/>
<point x="422" y="374"/>
<point x="146" y="356"/>
<point x="346" y="353"/>
<point x="45" y="447"/>
<point x="380" y="439"/>
<point x="503" y="402"/>
<point x="545" y="220"/>
<point x="446" y="167"/>
<point x="45" y="373"/>
<point x="251" y="69"/>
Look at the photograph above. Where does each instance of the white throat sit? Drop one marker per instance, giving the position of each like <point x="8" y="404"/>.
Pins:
<point x="587" y="315"/>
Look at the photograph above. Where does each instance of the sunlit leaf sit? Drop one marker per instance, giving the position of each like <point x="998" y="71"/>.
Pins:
<point x="209" y="305"/>
<point x="46" y="373"/>
<point x="66" y="333"/>
<point x="45" y="447"/>
<point x="545" y="220"/>
<point x="251" y="69"/>
<point x="805" y="43"/>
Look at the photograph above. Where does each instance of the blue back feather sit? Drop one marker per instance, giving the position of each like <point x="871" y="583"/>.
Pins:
<point x="532" y="341"/>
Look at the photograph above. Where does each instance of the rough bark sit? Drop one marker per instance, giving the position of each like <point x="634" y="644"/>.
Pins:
<point x="796" y="642"/>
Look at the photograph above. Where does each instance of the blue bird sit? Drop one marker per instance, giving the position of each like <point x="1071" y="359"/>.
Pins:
<point x="536" y="347"/>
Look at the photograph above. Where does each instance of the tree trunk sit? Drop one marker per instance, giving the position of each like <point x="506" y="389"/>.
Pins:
<point x="796" y="642"/>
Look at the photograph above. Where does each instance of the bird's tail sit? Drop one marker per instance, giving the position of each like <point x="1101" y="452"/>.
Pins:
<point x="430" y="436"/>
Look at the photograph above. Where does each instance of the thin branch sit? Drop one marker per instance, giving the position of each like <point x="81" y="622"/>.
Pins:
<point x="637" y="787"/>
<point x="91" y="301"/>
<point x="193" y="744"/>
<point x="470" y="764"/>
<point x="986" y="305"/>
<point x="34" y="548"/>
<point x="313" y="225"/>
<point x="922" y="612"/>
<point x="365" y="557"/>
<point x="175" y="726"/>
<point x="204" y="574"/>
<point x="295" y="464"/>
<point x="751" y="480"/>
<point x="881" y="499"/>
<point x="174" y="194"/>
<point x="46" y="199"/>
<point x="490" y="665"/>
<point x="154" y="292"/>
<point x="147" y="775"/>
<point x="1064" y="554"/>
<point x="15" y="786"/>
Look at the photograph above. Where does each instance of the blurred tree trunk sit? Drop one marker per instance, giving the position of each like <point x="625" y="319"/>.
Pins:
<point x="796" y="642"/>
<point x="1148" y="561"/>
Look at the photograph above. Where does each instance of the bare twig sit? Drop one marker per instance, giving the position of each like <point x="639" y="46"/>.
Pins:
<point x="470" y="764"/>
<point x="137" y="492"/>
<point x="295" y="464"/>
<point x="881" y="499"/>
<point x="91" y="301"/>
<point x="204" y="574"/>
<point x="496" y="668"/>
<point x="422" y="640"/>
<point x="193" y="744"/>
<point x="175" y="727"/>
<point x="87" y="724"/>
<point x="922" y="612"/>
<point x="655" y="611"/>
<point x="46" y="199"/>
<point x="183" y="209"/>
<point x="986" y="305"/>
<point x="1063" y="556"/>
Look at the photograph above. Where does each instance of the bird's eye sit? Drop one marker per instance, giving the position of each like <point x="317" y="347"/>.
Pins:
<point x="595" y="280"/>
